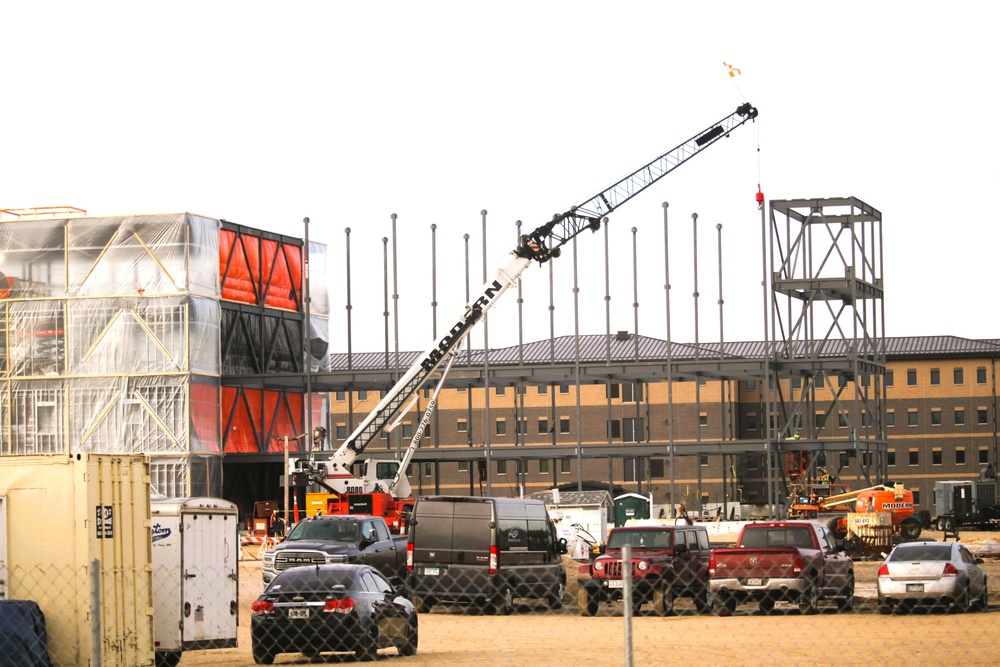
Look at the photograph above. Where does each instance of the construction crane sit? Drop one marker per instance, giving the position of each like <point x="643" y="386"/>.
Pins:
<point x="544" y="243"/>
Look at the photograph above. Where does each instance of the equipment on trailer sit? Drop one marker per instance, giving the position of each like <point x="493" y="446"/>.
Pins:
<point x="335" y="474"/>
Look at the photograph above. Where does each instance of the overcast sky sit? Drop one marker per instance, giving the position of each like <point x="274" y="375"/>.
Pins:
<point x="263" y="113"/>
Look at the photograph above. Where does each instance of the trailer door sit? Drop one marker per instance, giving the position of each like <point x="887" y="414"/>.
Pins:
<point x="210" y="579"/>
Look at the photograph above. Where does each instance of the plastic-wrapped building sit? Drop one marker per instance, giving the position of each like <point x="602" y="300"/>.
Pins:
<point x="150" y="334"/>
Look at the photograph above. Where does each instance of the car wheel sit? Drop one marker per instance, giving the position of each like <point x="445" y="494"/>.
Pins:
<point x="810" y="603"/>
<point x="367" y="648"/>
<point x="409" y="645"/>
<point x="961" y="603"/>
<point x="727" y="606"/>
<point x="703" y="601"/>
<point x="504" y="603"/>
<point x="556" y="599"/>
<point x="663" y="599"/>
<point x="587" y="602"/>
<point x="421" y="604"/>
<point x="884" y="608"/>
<point x="846" y="603"/>
<point x="984" y="599"/>
<point x="262" y="655"/>
<point x="169" y="659"/>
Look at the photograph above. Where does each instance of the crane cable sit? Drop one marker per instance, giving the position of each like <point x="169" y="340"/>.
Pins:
<point x="733" y="73"/>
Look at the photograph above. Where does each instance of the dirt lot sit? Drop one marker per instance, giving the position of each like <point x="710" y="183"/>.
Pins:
<point x="534" y="636"/>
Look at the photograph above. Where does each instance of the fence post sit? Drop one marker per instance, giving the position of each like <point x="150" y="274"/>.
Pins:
<point x="95" y="606"/>
<point x="627" y="600"/>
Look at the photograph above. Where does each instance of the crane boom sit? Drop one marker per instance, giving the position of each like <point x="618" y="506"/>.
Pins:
<point x="540" y="245"/>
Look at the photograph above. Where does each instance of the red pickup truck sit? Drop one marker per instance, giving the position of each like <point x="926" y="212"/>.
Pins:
<point x="790" y="561"/>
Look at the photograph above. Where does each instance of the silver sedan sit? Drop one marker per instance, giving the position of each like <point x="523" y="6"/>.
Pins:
<point x="943" y="574"/>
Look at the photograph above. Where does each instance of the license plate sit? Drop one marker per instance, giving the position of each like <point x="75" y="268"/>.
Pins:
<point x="432" y="571"/>
<point x="756" y="581"/>
<point x="914" y="588"/>
<point x="298" y="613"/>
<point x="616" y="583"/>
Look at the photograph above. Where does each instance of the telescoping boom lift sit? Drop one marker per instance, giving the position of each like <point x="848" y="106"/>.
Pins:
<point x="540" y="245"/>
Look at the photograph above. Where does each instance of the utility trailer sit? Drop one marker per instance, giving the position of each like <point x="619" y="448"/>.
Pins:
<point x="195" y="575"/>
<point x="968" y="503"/>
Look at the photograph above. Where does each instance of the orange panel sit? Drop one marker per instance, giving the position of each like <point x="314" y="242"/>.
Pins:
<point x="205" y="418"/>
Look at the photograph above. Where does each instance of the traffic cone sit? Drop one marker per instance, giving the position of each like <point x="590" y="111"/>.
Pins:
<point x="295" y="507"/>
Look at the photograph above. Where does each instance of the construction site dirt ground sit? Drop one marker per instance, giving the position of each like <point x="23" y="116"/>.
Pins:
<point x="533" y="635"/>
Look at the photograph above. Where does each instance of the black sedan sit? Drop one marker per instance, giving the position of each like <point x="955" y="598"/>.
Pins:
<point x="323" y="608"/>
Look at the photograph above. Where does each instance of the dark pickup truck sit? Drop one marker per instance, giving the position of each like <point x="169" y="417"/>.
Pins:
<point x="782" y="561"/>
<point x="339" y="539"/>
<point x="667" y="561"/>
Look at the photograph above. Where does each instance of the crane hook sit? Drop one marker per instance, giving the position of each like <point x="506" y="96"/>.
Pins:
<point x="760" y="199"/>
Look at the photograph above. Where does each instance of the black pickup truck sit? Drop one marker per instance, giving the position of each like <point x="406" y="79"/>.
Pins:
<point x="339" y="539"/>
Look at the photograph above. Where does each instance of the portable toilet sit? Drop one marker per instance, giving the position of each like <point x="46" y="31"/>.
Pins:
<point x="630" y="506"/>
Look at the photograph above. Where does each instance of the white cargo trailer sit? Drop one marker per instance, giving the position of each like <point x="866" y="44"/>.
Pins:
<point x="195" y="575"/>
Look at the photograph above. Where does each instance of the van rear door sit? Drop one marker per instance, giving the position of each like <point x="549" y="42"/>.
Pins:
<point x="452" y="531"/>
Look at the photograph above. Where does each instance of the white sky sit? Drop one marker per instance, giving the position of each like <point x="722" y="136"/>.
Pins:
<point x="262" y="113"/>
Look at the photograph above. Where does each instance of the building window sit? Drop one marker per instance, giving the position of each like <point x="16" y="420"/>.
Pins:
<point x="461" y="390"/>
<point x="935" y="416"/>
<point x="501" y="390"/>
<point x="841" y="381"/>
<point x="866" y="459"/>
<point x="501" y="467"/>
<point x="842" y="419"/>
<point x="543" y="426"/>
<point x="981" y="375"/>
<point x="889" y="378"/>
<point x="890" y="457"/>
<point x="935" y="377"/>
<point x="564" y="466"/>
<point x="981" y="415"/>
<point x="543" y="467"/>
<point x="959" y="375"/>
<point x="632" y="429"/>
<point x="501" y="427"/>
<point x="427" y="392"/>
<point x="521" y="389"/>
<point x="751" y="463"/>
<point x="341" y="431"/>
<point x="563" y="388"/>
<point x="959" y="416"/>
<point x="543" y="389"/>
<point x="631" y="392"/>
<point x="703" y="460"/>
<point x="911" y="418"/>
<point x="820" y="419"/>
<point x="564" y="424"/>
<point x="984" y="455"/>
<point x="362" y="395"/>
<point x="911" y="377"/>
<point x="916" y="496"/>
<point x="428" y="470"/>
<point x="890" y="417"/>
<point x="407" y="430"/>
<point x="382" y="393"/>
<point x="341" y="396"/>
<point x="960" y="456"/>
<point x="612" y="390"/>
<point x="703" y="419"/>
<point x="936" y="456"/>
<point x="796" y="382"/>
<point x="752" y="421"/>
<point x="615" y="429"/>
<point x="522" y="427"/>
<point x="914" y="457"/>
<point x="463" y="426"/>
<point x="751" y="384"/>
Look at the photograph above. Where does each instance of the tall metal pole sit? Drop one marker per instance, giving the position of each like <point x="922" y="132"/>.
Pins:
<point x="670" y="360"/>
<point x="487" y="427"/>
<point x="306" y="337"/>
<point x="396" y="435"/>
<point x="576" y="370"/>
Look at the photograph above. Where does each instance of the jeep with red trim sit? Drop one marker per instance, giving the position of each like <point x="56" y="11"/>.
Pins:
<point x="667" y="561"/>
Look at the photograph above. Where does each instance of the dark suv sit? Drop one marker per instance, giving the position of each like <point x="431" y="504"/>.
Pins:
<point x="667" y="562"/>
<point x="485" y="552"/>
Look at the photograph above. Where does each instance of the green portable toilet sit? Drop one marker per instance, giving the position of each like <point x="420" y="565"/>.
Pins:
<point x="630" y="506"/>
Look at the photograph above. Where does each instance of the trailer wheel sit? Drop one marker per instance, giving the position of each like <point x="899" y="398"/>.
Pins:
<point x="169" y="659"/>
<point x="940" y="524"/>
<point x="949" y="524"/>
<point x="909" y="529"/>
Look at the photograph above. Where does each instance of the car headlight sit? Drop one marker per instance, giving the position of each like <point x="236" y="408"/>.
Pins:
<point x="598" y="566"/>
<point x="268" y="558"/>
<point x="642" y="565"/>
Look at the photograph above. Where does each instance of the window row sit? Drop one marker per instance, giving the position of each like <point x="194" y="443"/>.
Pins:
<point x="628" y="392"/>
<point x="937" y="456"/>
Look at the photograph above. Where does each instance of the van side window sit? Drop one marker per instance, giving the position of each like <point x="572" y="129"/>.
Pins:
<point x="703" y="541"/>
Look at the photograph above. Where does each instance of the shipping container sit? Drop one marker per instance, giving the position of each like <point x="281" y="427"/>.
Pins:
<point x="75" y="539"/>
<point x="195" y="575"/>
